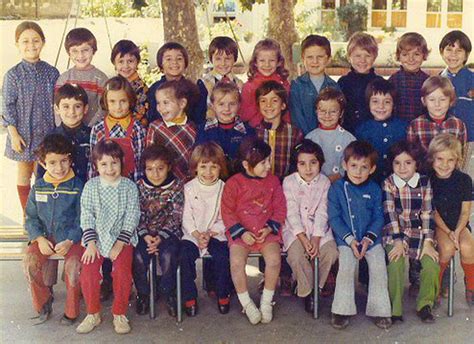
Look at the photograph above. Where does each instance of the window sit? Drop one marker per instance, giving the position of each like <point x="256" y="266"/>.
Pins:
<point x="379" y="13"/>
<point x="454" y="13"/>
<point x="389" y="13"/>
<point x="219" y="9"/>
<point x="433" y="13"/>
<point x="399" y="13"/>
<point x="328" y="11"/>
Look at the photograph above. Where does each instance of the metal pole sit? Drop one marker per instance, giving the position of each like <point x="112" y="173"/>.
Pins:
<point x="152" y="277"/>
<point x="179" y="312"/>
<point x="316" y="288"/>
<point x="451" y="288"/>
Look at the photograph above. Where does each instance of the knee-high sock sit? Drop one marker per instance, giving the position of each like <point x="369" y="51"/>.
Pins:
<point x="23" y="192"/>
<point x="469" y="275"/>
<point x="443" y="267"/>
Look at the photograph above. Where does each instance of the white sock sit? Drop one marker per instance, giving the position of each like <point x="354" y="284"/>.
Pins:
<point x="267" y="296"/>
<point x="244" y="298"/>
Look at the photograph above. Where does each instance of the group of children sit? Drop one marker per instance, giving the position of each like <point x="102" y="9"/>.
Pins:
<point x="364" y="169"/>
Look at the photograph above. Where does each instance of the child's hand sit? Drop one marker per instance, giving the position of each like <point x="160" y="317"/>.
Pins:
<point x="63" y="247"/>
<point x="365" y="245"/>
<point x="262" y="234"/>
<point x="429" y="250"/>
<point x="355" y="248"/>
<point x="454" y="238"/>
<point x="213" y="234"/>
<point x="152" y="243"/>
<point x="248" y="238"/>
<point x="90" y="253"/>
<point x="397" y="251"/>
<point x="116" y="249"/>
<point x="203" y="240"/>
<point x="45" y="246"/>
<point x="16" y="140"/>
<point x="315" y="242"/>
<point x="308" y="247"/>
<point x="471" y="93"/>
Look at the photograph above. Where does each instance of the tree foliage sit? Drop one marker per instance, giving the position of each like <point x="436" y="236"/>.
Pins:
<point x="353" y="17"/>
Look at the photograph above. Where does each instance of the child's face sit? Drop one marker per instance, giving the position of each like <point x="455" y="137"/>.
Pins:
<point x="57" y="165"/>
<point x="168" y="105"/>
<point x="157" y="171"/>
<point x="271" y="106"/>
<point x="109" y="168"/>
<point x="126" y="65"/>
<point x="260" y="170"/>
<point x="437" y="104"/>
<point x="81" y="55"/>
<point x="361" y="60"/>
<point x="329" y="113"/>
<point x="30" y="44"/>
<point x="71" y="111"/>
<point x="173" y="64"/>
<point x="315" y="60"/>
<point x="444" y="163"/>
<point x="226" y="107"/>
<point x="308" y="166"/>
<point x="267" y="62"/>
<point x="358" y="170"/>
<point x="381" y="106"/>
<point x="222" y="62"/>
<point x="208" y="172"/>
<point x="404" y="166"/>
<point x="411" y="59"/>
<point x="118" y="104"/>
<point x="454" y="57"/>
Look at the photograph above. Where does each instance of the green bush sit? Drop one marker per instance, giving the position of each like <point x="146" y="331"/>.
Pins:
<point x="353" y="17"/>
<point x="119" y="8"/>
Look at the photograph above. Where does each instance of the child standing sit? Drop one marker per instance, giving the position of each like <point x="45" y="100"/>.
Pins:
<point x="306" y="233"/>
<point x="52" y="223"/>
<point x="253" y="210"/>
<point x="316" y="56"/>
<point x="362" y="50"/>
<point x="452" y="198"/>
<point x="110" y="213"/>
<point x="161" y="203"/>
<point x="267" y="63"/>
<point x="204" y="230"/>
<point x="126" y="57"/>
<point x="81" y="45"/>
<point x="120" y="126"/>
<point x="383" y="130"/>
<point x="356" y="218"/>
<point x="330" y="136"/>
<point x="409" y="230"/>
<point x="412" y="50"/>
<point x="173" y="130"/>
<point x="27" y="98"/>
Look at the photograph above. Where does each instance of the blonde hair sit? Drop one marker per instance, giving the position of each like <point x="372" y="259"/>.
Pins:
<point x="445" y="142"/>
<point x="268" y="44"/>
<point x="208" y="152"/>
<point x="222" y="89"/>
<point x="364" y="41"/>
<point x="434" y="82"/>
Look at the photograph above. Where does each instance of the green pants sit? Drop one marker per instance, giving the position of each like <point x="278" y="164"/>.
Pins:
<point x="429" y="283"/>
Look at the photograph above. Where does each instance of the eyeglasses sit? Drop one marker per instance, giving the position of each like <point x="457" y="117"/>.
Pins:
<point x="77" y="52"/>
<point x="330" y="113"/>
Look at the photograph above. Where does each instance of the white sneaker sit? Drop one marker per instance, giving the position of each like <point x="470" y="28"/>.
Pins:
<point x="121" y="324"/>
<point x="266" y="309"/>
<point x="90" y="322"/>
<point x="253" y="314"/>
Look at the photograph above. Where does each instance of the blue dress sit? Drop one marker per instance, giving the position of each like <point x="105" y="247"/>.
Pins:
<point x="28" y="90"/>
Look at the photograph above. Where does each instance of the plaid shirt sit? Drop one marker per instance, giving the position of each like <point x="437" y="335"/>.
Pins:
<point x="282" y="140"/>
<point x="141" y="106"/>
<point x="179" y="139"/>
<point x="138" y="144"/>
<point x="423" y="129"/>
<point x="408" y="87"/>
<point x="408" y="212"/>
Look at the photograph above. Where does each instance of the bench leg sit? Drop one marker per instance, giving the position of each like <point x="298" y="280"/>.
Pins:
<point x="451" y="288"/>
<point x="316" y="288"/>
<point x="152" y="279"/>
<point x="179" y="311"/>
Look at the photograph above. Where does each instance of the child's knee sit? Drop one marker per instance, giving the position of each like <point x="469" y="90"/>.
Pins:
<point x="72" y="268"/>
<point x="429" y="266"/>
<point x="237" y="263"/>
<point x="273" y="261"/>
<point x="446" y="248"/>
<point x="467" y="249"/>
<point x="32" y="265"/>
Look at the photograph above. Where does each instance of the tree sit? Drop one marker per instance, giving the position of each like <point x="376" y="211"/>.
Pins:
<point x="179" y="25"/>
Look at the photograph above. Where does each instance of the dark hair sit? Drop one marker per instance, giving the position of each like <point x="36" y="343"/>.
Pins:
<point x="182" y="89"/>
<point x="54" y="143"/>
<point x="330" y="93"/>
<point x="411" y="40"/>
<point x="269" y="86"/>
<point x="380" y="86"/>
<point x="316" y="40"/>
<point x="456" y="36"/>
<point x="171" y="46"/>
<point x="118" y="83"/>
<point x="123" y="47"/>
<point x="223" y="44"/>
<point x="225" y="88"/>
<point x="360" y="150"/>
<point x="156" y="151"/>
<point x="267" y="44"/>
<point x="28" y="25"/>
<point x="68" y="91"/>
<point x="309" y="147"/>
<point x="107" y="147"/>
<point x="78" y="36"/>
<point x="411" y="148"/>
<point x="208" y="152"/>
<point x="253" y="151"/>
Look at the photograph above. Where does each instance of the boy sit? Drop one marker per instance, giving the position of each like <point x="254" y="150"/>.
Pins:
<point x="81" y="45"/>
<point x="412" y="50"/>
<point x="362" y="50"/>
<point x="356" y="218"/>
<point x="52" y="223"/>
<point x="316" y="56"/>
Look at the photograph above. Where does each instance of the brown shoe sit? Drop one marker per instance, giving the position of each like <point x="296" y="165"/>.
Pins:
<point x="339" y="322"/>
<point x="383" y="323"/>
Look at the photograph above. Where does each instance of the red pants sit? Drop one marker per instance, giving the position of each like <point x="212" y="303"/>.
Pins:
<point x="34" y="262"/>
<point x="91" y="278"/>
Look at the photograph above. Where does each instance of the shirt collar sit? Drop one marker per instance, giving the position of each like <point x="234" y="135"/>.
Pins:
<point x="178" y="121"/>
<point x="123" y="122"/>
<point x="400" y="183"/>
<point x="50" y="179"/>
<point x="166" y="183"/>
<point x="301" y="181"/>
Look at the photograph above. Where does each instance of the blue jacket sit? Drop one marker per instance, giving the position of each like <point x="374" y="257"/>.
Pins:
<point x="303" y="96"/>
<point x="355" y="212"/>
<point x="55" y="212"/>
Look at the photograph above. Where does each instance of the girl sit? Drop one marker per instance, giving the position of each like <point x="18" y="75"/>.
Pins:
<point x="306" y="233"/>
<point x="173" y="130"/>
<point x="452" y="202"/>
<point x="126" y="57"/>
<point x="408" y="229"/>
<point x="267" y="63"/>
<point x="110" y="213"/>
<point x="204" y="231"/>
<point x="253" y="210"/>
<point x="28" y="91"/>
<point x="120" y="126"/>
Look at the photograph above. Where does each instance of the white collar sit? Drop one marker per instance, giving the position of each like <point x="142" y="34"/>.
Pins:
<point x="400" y="183"/>
<point x="172" y="124"/>
<point x="301" y="181"/>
